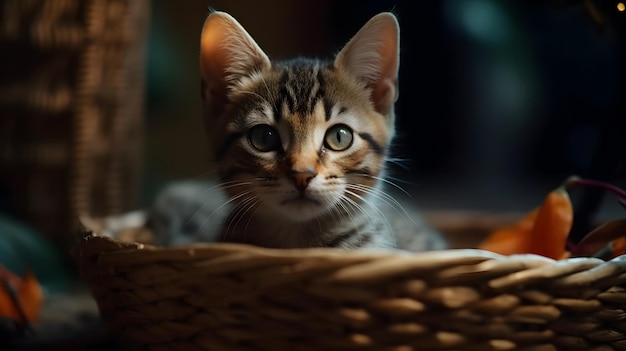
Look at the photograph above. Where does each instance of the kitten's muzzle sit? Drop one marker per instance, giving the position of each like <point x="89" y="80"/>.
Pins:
<point x="302" y="179"/>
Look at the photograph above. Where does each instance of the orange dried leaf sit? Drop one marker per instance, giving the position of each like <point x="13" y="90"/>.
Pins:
<point x="619" y="247"/>
<point x="29" y="294"/>
<point x="506" y="241"/>
<point x="8" y="280"/>
<point x="512" y="239"/>
<point x="552" y="225"/>
<point x="543" y="231"/>
<point x="7" y="307"/>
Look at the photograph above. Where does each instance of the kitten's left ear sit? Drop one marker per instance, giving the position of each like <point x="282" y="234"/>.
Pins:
<point x="227" y="54"/>
<point x="371" y="56"/>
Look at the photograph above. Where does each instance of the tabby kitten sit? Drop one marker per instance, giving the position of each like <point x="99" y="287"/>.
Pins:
<point x="300" y="146"/>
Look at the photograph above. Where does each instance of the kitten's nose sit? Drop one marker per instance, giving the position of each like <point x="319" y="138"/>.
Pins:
<point x="302" y="179"/>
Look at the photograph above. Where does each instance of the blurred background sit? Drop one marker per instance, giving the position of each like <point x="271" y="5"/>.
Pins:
<point x="500" y="101"/>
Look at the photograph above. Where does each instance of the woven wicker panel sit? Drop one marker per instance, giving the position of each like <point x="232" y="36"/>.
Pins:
<point x="71" y="94"/>
<point x="237" y="297"/>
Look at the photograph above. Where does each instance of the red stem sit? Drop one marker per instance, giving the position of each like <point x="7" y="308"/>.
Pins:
<point x="575" y="181"/>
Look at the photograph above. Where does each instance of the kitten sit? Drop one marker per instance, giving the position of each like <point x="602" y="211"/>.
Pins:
<point x="300" y="146"/>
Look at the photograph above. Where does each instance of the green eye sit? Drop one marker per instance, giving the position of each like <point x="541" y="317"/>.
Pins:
<point x="338" y="137"/>
<point x="264" y="138"/>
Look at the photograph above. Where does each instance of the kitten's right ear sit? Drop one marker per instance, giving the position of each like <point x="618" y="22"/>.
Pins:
<point x="371" y="56"/>
<point x="227" y="54"/>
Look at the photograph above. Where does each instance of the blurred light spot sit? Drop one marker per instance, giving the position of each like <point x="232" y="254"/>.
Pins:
<point x="485" y="20"/>
<point x="508" y="91"/>
<point x="621" y="7"/>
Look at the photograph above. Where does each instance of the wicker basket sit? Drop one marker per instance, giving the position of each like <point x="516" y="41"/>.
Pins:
<point x="238" y="297"/>
<point x="71" y="101"/>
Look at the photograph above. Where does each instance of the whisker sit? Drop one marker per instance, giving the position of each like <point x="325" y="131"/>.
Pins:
<point x="388" y="199"/>
<point x="239" y="213"/>
<point x="403" y="163"/>
<point x="373" y="206"/>
<point x="346" y="210"/>
<point x="387" y="181"/>
<point x="354" y="204"/>
<point x="245" y="230"/>
<point x="236" y="197"/>
<point x="375" y="192"/>
<point x="351" y="203"/>
<point x="365" y="213"/>
<point x="221" y="186"/>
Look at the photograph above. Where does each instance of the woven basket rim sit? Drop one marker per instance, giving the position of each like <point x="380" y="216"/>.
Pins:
<point x="516" y="270"/>
<point x="121" y="248"/>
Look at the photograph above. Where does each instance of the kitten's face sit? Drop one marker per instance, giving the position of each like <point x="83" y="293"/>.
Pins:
<point x="302" y="139"/>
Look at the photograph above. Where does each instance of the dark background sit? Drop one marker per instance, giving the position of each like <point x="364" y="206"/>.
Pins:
<point x="499" y="101"/>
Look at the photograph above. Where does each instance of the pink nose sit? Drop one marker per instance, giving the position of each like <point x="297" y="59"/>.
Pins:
<point x="302" y="179"/>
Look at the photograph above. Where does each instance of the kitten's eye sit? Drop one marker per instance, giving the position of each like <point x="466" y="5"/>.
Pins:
<point x="338" y="137"/>
<point x="264" y="138"/>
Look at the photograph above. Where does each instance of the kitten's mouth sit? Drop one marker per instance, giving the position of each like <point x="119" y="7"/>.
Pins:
<point x="301" y="200"/>
<point x="301" y="208"/>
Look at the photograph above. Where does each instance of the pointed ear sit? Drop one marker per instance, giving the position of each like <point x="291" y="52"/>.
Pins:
<point x="372" y="57"/>
<point x="227" y="54"/>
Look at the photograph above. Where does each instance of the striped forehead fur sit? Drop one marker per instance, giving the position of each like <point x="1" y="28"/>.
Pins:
<point x="296" y="86"/>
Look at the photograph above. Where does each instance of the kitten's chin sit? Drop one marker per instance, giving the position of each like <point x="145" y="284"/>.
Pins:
<point x="300" y="209"/>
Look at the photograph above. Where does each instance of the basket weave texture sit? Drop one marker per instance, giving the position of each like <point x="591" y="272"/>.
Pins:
<point x="237" y="297"/>
<point x="71" y="109"/>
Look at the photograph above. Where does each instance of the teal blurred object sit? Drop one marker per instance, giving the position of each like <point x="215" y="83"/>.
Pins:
<point x="22" y="248"/>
